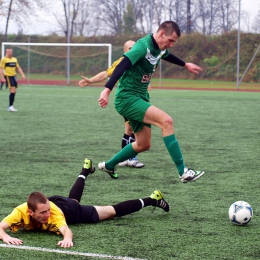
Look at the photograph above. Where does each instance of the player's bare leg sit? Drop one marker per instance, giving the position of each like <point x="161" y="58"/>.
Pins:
<point x="156" y="116"/>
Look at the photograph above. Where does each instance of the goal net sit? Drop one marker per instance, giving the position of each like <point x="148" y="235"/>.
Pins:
<point x="63" y="63"/>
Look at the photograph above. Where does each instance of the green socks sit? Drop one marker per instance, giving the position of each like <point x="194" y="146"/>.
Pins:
<point x="174" y="150"/>
<point x="124" y="154"/>
<point x="171" y="144"/>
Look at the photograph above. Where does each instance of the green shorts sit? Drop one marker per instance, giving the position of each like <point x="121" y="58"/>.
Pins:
<point x="133" y="108"/>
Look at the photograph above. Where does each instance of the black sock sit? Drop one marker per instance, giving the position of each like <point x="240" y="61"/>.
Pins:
<point x="125" y="140"/>
<point x="131" y="206"/>
<point x="131" y="138"/>
<point x="11" y="99"/>
<point x="85" y="172"/>
<point x="78" y="187"/>
<point x="149" y="202"/>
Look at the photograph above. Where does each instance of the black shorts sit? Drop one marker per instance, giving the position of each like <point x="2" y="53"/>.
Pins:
<point x="74" y="212"/>
<point x="11" y="81"/>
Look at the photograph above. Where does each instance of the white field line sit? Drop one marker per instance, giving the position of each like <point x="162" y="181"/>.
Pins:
<point x="69" y="252"/>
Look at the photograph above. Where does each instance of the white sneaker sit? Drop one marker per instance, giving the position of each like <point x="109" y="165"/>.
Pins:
<point x="12" y="109"/>
<point x="124" y="163"/>
<point x="190" y="175"/>
<point x="134" y="163"/>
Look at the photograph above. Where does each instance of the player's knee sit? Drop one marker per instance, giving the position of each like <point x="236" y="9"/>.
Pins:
<point x="167" y="122"/>
<point x="142" y="144"/>
<point x="144" y="147"/>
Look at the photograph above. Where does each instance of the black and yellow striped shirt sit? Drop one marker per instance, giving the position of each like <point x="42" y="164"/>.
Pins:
<point x="9" y="65"/>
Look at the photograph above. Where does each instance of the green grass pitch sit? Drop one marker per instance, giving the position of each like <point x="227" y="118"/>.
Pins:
<point x="43" y="145"/>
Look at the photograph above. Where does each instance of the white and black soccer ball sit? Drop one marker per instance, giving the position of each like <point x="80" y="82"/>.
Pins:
<point x="240" y="213"/>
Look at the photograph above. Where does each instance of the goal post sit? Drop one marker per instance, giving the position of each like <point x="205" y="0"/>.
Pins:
<point x="91" y="51"/>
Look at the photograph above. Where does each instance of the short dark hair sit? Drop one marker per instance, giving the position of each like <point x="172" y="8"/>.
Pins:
<point x="34" y="199"/>
<point x="170" y="27"/>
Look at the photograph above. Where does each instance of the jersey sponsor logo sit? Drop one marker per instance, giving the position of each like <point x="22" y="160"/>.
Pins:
<point x="153" y="60"/>
<point x="146" y="78"/>
<point x="10" y="64"/>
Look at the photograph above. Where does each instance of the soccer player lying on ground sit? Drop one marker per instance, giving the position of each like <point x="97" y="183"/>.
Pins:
<point x="56" y="212"/>
<point x="132" y="99"/>
<point x="128" y="136"/>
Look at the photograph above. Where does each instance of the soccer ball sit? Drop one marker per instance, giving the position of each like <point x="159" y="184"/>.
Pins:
<point x="240" y="213"/>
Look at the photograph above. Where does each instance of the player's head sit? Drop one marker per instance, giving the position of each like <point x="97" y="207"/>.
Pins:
<point x="9" y="52"/>
<point x="167" y="34"/>
<point x="169" y="27"/>
<point x="128" y="45"/>
<point x="38" y="207"/>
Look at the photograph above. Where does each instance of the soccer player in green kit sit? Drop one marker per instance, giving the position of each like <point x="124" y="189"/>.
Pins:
<point x="132" y="98"/>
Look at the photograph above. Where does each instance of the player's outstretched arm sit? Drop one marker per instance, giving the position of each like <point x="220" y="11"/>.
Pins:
<point x="193" y="68"/>
<point x="97" y="78"/>
<point x="5" y="237"/>
<point x="67" y="237"/>
<point x="84" y="82"/>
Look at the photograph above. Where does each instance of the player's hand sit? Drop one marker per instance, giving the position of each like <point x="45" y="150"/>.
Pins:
<point x="84" y="82"/>
<point x="193" y="68"/>
<point x="66" y="242"/>
<point x="12" y="240"/>
<point x="103" y="99"/>
<point x="3" y="80"/>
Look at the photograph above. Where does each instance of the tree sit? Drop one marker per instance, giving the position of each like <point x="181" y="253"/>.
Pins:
<point x="256" y="23"/>
<point x="83" y="24"/>
<point x="111" y="14"/>
<point x="188" y="31"/>
<point x="12" y="10"/>
<point x="156" y="12"/>
<point x="213" y="10"/>
<point x="7" y="19"/>
<point x="177" y="12"/>
<point x="227" y="15"/>
<point x="144" y="15"/>
<point x="67" y="22"/>
<point x="117" y="17"/>
<point x="203" y="15"/>
<point x="129" y="27"/>
<point x="207" y="11"/>
<point x="214" y="16"/>
<point x="78" y="16"/>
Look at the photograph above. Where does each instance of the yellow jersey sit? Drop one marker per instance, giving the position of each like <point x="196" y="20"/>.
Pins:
<point x="9" y="65"/>
<point x="111" y="69"/>
<point x="20" y="218"/>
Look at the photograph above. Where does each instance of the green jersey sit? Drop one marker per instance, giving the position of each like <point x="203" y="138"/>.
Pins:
<point x="144" y="58"/>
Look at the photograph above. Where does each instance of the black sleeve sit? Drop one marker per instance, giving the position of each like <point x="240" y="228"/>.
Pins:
<point x="118" y="72"/>
<point x="175" y="60"/>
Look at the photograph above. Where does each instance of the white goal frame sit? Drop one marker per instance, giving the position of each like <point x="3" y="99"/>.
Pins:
<point x="109" y="45"/>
